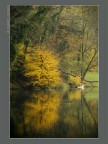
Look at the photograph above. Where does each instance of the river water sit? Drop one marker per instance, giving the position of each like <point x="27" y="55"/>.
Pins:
<point x="55" y="114"/>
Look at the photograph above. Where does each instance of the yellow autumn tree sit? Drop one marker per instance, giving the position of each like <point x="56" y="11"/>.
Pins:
<point x="41" y="67"/>
<point x="75" y="80"/>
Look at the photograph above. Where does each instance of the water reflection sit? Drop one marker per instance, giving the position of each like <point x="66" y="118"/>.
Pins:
<point x="72" y="114"/>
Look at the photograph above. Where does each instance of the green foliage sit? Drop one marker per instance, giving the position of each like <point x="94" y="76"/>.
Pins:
<point x="16" y="69"/>
<point x="17" y="66"/>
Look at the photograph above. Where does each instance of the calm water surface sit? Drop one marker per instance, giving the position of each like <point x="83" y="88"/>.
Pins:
<point x="57" y="114"/>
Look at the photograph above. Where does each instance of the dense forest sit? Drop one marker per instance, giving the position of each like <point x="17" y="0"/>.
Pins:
<point x="53" y="46"/>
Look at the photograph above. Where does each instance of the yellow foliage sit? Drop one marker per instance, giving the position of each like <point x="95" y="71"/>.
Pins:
<point x="42" y="67"/>
<point x="75" y="80"/>
<point x="43" y="113"/>
<point x="74" y="95"/>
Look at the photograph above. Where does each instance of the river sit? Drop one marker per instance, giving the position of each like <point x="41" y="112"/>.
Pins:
<point x="55" y="114"/>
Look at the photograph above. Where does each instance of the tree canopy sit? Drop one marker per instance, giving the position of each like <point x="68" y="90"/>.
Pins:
<point x="49" y="44"/>
<point x="41" y="66"/>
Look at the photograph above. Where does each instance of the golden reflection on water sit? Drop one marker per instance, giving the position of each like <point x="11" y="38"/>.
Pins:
<point x="74" y="95"/>
<point x="42" y="113"/>
<point x="55" y="114"/>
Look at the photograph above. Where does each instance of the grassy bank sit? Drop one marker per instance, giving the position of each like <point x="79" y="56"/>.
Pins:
<point x="92" y="76"/>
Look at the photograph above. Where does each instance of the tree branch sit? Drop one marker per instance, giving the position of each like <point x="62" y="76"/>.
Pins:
<point x="67" y="73"/>
<point x="89" y="63"/>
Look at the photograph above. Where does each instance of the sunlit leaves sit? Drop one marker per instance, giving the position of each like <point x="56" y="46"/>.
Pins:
<point x="75" y="80"/>
<point x="41" y="66"/>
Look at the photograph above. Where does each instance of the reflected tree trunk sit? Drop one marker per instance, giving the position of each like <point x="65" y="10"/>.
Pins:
<point x="82" y="115"/>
